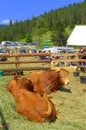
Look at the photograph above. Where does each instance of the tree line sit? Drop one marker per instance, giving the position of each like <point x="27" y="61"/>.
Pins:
<point x="55" y="25"/>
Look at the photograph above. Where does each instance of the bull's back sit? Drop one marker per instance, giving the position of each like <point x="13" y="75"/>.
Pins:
<point x="35" y="107"/>
<point x="43" y="75"/>
<point x="43" y="80"/>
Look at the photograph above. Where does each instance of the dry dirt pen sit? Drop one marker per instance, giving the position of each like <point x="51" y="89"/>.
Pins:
<point x="70" y="102"/>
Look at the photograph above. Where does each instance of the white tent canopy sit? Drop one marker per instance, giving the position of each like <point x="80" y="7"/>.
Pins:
<point x="78" y="36"/>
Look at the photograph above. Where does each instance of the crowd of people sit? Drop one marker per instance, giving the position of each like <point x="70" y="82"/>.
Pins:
<point x="83" y="51"/>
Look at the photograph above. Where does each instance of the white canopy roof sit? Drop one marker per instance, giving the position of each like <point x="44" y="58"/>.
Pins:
<point x="78" y="36"/>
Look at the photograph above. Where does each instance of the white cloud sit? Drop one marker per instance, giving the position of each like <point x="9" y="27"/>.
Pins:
<point x="5" y="21"/>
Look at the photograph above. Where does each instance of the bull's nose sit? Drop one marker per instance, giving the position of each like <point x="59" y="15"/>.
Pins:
<point x="67" y="82"/>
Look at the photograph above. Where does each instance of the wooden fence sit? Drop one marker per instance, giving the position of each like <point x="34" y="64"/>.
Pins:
<point x="24" y="62"/>
<point x="70" y="59"/>
<point x="31" y="61"/>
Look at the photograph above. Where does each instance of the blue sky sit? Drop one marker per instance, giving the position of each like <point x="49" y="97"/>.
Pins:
<point x="19" y="10"/>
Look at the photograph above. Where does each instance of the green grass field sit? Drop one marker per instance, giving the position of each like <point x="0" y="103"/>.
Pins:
<point x="70" y="103"/>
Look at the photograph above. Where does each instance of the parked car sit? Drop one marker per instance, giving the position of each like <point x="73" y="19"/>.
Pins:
<point x="52" y="50"/>
<point x="71" y="51"/>
<point x="14" y="44"/>
<point x="6" y="43"/>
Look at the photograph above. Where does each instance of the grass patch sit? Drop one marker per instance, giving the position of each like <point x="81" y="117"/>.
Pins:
<point x="70" y="103"/>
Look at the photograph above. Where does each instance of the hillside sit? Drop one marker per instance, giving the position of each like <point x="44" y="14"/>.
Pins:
<point x="3" y="26"/>
<point x="55" y="25"/>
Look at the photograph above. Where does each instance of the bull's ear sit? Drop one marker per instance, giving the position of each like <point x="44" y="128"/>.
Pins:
<point x="16" y="77"/>
<point x="58" y="71"/>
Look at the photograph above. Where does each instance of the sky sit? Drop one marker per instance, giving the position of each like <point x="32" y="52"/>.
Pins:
<point x="20" y="10"/>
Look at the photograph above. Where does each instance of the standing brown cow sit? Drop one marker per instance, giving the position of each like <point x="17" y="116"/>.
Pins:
<point x="32" y="105"/>
<point x="49" y="81"/>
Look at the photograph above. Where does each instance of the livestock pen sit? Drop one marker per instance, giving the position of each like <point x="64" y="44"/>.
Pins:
<point x="69" y="102"/>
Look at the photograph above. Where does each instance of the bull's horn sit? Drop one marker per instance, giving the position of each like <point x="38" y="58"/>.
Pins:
<point x="19" y="78"/>
<point x="29" y="78"/>
<point x="57" y="70"/>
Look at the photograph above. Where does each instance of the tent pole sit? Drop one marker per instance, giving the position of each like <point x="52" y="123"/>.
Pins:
<point x="66" y="55"/>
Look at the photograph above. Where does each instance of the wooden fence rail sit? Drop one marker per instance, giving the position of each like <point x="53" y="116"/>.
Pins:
<point x="24" y="61"/>
<point x="16" y="62"/>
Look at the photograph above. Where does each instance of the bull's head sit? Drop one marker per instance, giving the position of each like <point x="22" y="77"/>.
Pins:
<point x="63" y="76"/>
<point x="25" y="83"/>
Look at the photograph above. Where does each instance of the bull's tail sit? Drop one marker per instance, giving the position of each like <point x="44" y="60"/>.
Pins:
<point x="49" y="111"/>
<point x="51" y="114"/>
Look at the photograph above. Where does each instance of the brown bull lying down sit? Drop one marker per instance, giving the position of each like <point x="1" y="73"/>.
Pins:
<point x="32" y="105"/>
<point x="22" y="83"/>
<point x="49" y="81"/>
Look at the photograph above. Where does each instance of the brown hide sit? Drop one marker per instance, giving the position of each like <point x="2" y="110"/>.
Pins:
<point x="21" y="82"/>
<point x="49" y="81"/>
<point x="32" y="105"/>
